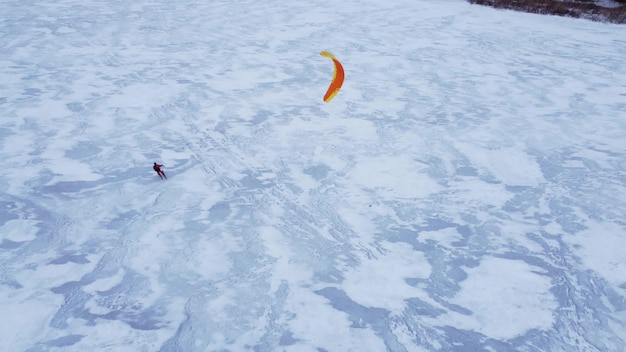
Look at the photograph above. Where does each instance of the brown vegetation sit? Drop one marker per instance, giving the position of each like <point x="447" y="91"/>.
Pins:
<point x="571" y="8"/>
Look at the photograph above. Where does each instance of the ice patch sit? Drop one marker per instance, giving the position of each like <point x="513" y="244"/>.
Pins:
<point x="445" y="237"/>
<point x="380" y="281"/>
<point x="19" y="230"/>
<point x="507" y="298"/>
<point x="24" y="317"/>
<point x="392" y="177"/>
<point x="54" y="275"/>
<point x="509" y="165"/>
<point x="210" y="257"/>
<point x="601" y="248"/>
<point x="333" y="331"/>
<point x="105" y="283"/>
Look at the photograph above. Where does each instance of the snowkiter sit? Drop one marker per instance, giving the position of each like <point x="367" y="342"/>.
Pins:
<point x="157" y="168"/>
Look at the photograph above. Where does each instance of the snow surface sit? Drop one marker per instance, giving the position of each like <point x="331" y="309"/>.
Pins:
<point x="464" y="191"/>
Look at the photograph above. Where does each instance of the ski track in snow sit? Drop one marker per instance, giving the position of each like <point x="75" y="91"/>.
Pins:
<point x="463" y="192"/>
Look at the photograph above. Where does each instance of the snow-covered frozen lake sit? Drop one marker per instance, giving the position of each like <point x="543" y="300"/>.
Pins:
<point x="464" y="191"/>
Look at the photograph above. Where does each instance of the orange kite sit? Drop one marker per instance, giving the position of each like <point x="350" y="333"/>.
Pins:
<point x="337" y="81"/>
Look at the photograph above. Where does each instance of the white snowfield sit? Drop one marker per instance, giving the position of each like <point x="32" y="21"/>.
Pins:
<point x="464" y="191"/>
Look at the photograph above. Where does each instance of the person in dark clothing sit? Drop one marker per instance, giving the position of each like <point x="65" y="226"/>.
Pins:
<point x="157" y="168"/>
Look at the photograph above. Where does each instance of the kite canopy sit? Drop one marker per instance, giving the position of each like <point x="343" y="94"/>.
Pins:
<point x="337" y="80"/>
